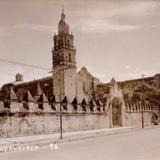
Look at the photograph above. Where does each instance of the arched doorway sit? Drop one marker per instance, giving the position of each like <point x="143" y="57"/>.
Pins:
<point x="155" y="118"/>
<point x="24" y="127"/>
<point x="116" y="112"/>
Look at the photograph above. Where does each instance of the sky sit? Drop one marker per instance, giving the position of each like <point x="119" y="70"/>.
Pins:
<point x="113" y="38"/>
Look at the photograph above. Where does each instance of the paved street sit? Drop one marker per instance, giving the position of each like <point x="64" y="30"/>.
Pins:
<point x="136" y="145"/>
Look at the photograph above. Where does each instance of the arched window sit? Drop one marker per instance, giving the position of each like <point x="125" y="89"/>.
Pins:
<point x="69" y="57"/>
<point x="84" y="86"/>
<point x="68" y="42"/>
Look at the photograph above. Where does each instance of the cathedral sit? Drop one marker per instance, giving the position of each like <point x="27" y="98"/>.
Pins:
<point x="65" y="80"/>
<point x="29" y="108"/>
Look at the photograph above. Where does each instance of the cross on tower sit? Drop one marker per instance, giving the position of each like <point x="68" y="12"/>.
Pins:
<point x="143" y="75"/>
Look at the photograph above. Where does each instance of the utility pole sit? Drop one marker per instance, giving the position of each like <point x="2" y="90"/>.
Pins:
<point x="142" y="116"/>
<point x="141" y="104"/>
<point x="60" y="99"/>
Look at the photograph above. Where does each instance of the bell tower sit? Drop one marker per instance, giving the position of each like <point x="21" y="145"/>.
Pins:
<point x="63" y="51"/>
<point x="64" y="61"/>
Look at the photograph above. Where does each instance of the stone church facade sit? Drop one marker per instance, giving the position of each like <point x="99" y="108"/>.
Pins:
<point x="29" y="108"/>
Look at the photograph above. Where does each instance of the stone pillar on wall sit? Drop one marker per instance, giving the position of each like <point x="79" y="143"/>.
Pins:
<point x="64" y="104"/>
<point x="92" y="105"/>
<point x="79" y="108"/>
<point x="99" y="106"/>
<point x="57" y="106"/>
<point x="43" y="104"/>
<point x="53" y="104"/>
<point x="84" y="106"/>
<point x="29" y="102"/>
<point x="14" y="105"/>
<point x="75" y="105"/>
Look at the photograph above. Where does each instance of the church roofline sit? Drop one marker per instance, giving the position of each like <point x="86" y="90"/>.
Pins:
<point x="83" y="68"/>
<point x="36" y="80"/>
<point x="136" y="79"/>
<point x="132" y="80"/>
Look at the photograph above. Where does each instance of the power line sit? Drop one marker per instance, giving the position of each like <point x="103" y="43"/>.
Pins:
<point x="23" y="64"/>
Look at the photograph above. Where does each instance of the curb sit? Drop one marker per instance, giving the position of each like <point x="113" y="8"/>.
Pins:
<point x="52" y="144"/>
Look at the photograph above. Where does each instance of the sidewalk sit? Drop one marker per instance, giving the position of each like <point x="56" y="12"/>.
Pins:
<point x="50" y="140"/>
<point x="69" y="136"/>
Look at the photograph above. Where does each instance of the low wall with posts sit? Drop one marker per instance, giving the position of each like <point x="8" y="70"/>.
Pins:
<point x="135" y="119"/>
<point x="24" y="119"/>
<point x="135" y="112"/>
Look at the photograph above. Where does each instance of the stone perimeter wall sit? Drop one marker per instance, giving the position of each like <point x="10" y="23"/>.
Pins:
<point x="17" y="121"/>
<point x="14" y="123"/>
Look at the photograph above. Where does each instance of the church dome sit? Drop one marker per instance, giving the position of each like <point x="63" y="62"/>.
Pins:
<point x="63" y="27"/>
